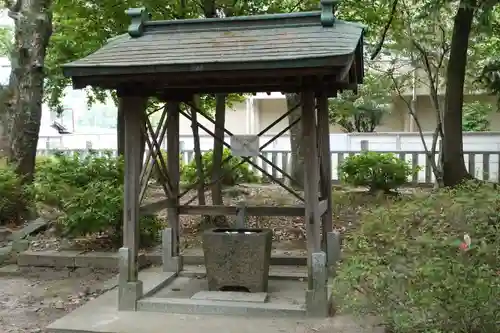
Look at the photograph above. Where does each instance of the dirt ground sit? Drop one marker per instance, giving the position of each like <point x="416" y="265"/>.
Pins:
<point x="33" y="300"/>
<point x="28" y="303"/>
<point x="288" y="232"/>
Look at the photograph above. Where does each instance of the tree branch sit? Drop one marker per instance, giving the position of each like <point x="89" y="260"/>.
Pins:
<point x="14" y="9"/>
<point x="388" y="24"/>
<point x="432" y="83"/>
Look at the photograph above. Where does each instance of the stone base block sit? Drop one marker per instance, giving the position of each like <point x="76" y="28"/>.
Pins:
<point x="317" y="298"/>
<point x="237" y="259"/>
<point x="334" y="245"/>
<point x="318" y="303"/>
<point x="230" y="296"/>
<point x="172" y="264"/>
<point x="20" y="245"/>
<point x="128" y="295"/>
<point x="5" y="253"/>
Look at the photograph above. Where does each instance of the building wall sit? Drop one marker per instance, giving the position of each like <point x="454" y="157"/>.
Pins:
<point x="397" y="120"/>
<point x="271" y="109"/>
<point x="236" y="121"/>
<point x="426" y="113"/>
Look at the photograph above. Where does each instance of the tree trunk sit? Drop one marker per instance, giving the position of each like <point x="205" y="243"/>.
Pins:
<point x="220" y="122"/>
<point x="4" y="126"/>
<point x="297" y="156"/>
<point x="33" y="28"/>
<point x="120" y="128"/>
<point x="454" y="171"/>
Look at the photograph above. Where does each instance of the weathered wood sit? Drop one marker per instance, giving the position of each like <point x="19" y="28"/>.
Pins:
<point x="195" y="78"/>
<point x="323" y="207"/>
<point x="325" y="167"/>
<point x="311" y="178"/>
<point x="158" y="160"/>
<point x="180" y="91"/>
<point x="220" y="120"/>
<point x="150" y="161"/>
<point x="215" y="210"/>
<point x="200" y="173"/>
<point x="120" y="128"/>
<point x="247" y="159"/>
<point x="174" y="172"/>
<point x="134" y="116"/>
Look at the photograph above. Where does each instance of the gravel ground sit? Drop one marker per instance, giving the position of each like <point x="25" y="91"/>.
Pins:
<point x="30" y="302"/>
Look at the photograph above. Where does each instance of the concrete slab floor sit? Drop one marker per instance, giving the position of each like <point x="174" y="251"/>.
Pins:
<point x="279" y="291"/>
<point x="232" y="296"/>
<point x="101" y="316"/>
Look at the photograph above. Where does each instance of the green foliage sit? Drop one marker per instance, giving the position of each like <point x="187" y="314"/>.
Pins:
<point x="238" y="174"/>
<point x="404" y="264"/>
<point x="362" y="112"/>
<point x="6" y="42"/>
<point x="377" y="171"/>
<point x="475" y="116"/>
<point x="13" y="196"/>
<point x="155" y="174"/>
<point x="82" y="27"/>
<point x="88" y="190"/>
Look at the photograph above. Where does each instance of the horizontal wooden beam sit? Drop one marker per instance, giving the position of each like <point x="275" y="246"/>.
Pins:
<point x="154" y="207"/>
<point x="216" y="210"/>
<point x="184" y="90"/>
<point x="250" y="210"/>
<point x="290" y="67"/>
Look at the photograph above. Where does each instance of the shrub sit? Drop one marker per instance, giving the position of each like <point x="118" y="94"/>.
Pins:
<point x="155" y="174"/>
<point x="377" y="171"/>
<point x="14" y="199"/>
<point x="88" y="190"/>
<point x="233" y="174"/>
<point x="41" y="160"/>
<point x="405" y="265"/>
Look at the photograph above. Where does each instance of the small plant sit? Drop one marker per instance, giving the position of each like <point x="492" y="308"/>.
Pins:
<point x="429" y="263"/>
<point x="88" y="190"/>
<point x="233" y="174"/>
<point x="14" y="199"/>
<point x="155" y="174"/>
<point x="377" y="171"/>
<point x="98" y="208"/>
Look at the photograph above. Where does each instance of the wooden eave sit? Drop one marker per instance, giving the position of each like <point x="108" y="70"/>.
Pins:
<point x="282" y="73"/>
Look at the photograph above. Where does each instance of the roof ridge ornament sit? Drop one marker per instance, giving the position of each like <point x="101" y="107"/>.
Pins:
<point x="327" y="8"/>
<point x="139" y="16"/>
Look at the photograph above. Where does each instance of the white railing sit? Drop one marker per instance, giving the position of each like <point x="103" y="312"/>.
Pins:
<point x="482" y="165"/>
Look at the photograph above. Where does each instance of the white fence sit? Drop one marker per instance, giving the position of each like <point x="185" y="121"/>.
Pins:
<point x="394" y="141"/>
<point x="481" y="164"/>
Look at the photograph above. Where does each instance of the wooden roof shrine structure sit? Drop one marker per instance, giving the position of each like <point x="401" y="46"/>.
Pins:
<point x="310" y="53"/>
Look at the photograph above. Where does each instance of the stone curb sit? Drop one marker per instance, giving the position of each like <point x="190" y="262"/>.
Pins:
<point x="73" y="259"/>
<point x="5" y="254"/>
<point x="109" y="260"/>
<point x="10" y="270"/>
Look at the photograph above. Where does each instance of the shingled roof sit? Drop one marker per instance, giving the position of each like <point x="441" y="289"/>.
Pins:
<point x="201" y="46"/>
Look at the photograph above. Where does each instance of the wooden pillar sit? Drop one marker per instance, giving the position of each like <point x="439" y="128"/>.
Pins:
<point x="173" y="261"/>
<point x="316" y="294"/>
<point x="311" y="173"/>
<point x="130" y="287"/>
<point x="325" y="167"/>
